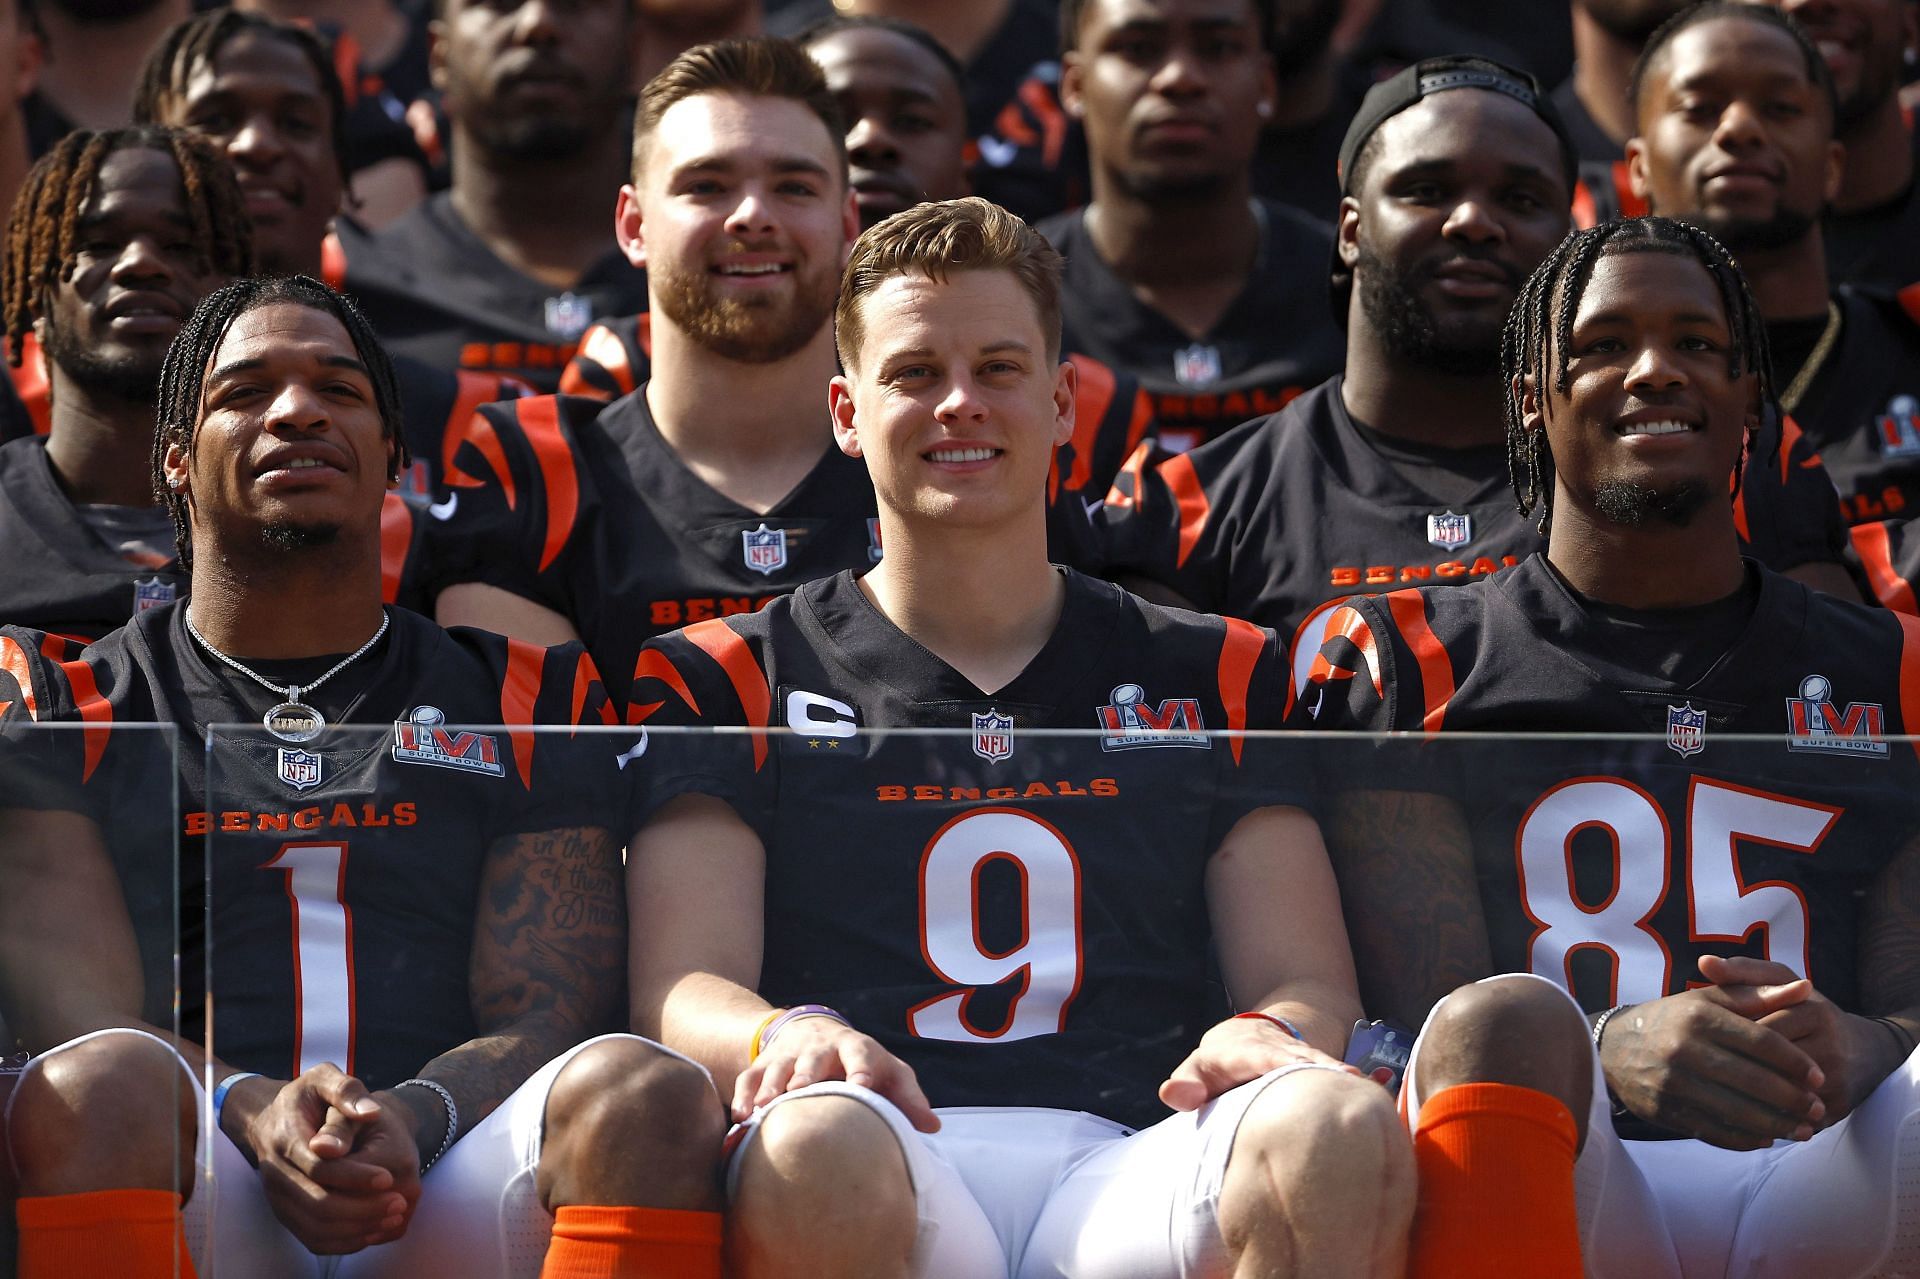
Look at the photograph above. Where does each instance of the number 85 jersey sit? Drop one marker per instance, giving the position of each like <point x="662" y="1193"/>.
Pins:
<point x="1612" y="866"/>
<point x="1022" y="919"/>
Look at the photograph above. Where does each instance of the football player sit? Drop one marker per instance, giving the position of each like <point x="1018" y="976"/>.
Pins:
<point x="1873" y="225"/>
<point x="1736" y="917"/>
<point x="1607" y="37"/>
<point x="112" y="242"/>
<point x="506" y="270"/>
<point x="1457" y="174"/>
<point x="268" y="95"/>
<point x="1015" y="932"/>
<point x="1736" y="120"/>
<point x="412" y="936"/>
<point x="1175" y="273"/>
<point x="715" y="485"/>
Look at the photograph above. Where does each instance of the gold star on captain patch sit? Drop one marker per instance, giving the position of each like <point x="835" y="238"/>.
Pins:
<point x="813" y="743"/>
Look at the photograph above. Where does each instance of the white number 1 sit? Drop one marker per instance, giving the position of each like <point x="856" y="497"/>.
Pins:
<point x="323" y="1025"/>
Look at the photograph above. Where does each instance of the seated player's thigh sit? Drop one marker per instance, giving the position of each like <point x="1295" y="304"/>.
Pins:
<point x="1148" y="1204"/>
<point x="954" y="1239"/>
<point x="1845" y="1203"/>
<point x="480" y="1215"/>
<point x="1623" y="1228"/>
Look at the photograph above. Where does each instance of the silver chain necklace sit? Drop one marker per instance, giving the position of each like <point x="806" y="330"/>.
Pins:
<point x="292" y="720"/>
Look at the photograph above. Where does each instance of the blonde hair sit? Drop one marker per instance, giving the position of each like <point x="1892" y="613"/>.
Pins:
<point x="938" y="239"/>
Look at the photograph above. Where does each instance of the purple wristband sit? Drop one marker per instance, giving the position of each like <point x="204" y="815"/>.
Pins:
<point x="794" y="1014"/>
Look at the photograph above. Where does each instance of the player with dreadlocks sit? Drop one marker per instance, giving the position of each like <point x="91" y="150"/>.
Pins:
<point x="113" y="240"/>
<point x="1737" y="923"/>
<point x="425" y="1089"/>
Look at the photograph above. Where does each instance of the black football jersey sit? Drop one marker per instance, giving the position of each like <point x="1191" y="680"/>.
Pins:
<point x="585" y="509"/>
<point x="57" y="575"/>
<point x="344" y="873"/>
<point x="1611" y="867"/>
<point x="1862" y="409"/>
<point x="1283" y="518"/>
<point x="1888" y="553"/>
<point x="1277" y="338"/>
<point x="437" y="293"/>
<point x="1112" y="414"/>
<point x="1021" y="919"/>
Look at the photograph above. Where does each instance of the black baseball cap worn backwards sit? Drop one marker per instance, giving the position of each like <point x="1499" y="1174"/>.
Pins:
<point x="1422" y="80"/>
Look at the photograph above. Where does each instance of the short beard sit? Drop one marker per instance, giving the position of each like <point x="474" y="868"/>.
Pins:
<point x="1406" y="326"/>
<point x="283" y="536"/>
<point x="1747" y="235"/>
<point x="1631" y="505"/>
<point x="1186" y="191"/>
<point x="533" y="138"/>
<point x="127" y="377"/>
<point x="749" y="332"/>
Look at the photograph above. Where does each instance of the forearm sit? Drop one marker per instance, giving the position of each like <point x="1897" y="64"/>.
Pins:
<point x="712" y="1020"/>
<point x="1323" y="1010"/>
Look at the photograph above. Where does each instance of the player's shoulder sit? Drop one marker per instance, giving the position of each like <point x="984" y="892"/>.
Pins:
<point x="1170" y="634"/>
<point x="1881" y="313"/>
<point x="508" y="680"/>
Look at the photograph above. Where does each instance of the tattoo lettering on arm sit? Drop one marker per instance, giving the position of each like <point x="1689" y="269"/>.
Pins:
<point x="549" y="962"/>
<point x="1412" y="903"/>
<point x="1890" y="940"/>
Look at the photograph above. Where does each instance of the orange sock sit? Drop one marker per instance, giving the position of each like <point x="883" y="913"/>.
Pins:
<point x="131" y="1234"/>
<point x="595" y="1242"/>
<point x="1496" y="1185"/>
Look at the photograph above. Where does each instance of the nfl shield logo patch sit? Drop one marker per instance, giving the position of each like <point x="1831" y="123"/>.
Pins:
<point x="1448" y="530"/>
<point x="568" y="315"/>
<point x="299" y="769"/>
<point x="1686" y="730"/>
<point x="152" y="594"/>
<point x="765" y="549"/>
<point x="1196" y="365"/>
<point x="993" y="736"/>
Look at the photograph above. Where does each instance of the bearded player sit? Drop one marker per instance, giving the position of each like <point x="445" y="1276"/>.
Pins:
<point x="1736" y="918"/>
<point x="1016" y="938"/>
<point x="411" y="933"/>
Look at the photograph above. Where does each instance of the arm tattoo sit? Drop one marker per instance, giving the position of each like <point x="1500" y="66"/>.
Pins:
<point x="1405" y="866"/>
<point x="1890" y="938"/>
<point x="549" y="961"/>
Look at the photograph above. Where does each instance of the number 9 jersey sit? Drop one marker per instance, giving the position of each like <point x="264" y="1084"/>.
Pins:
<point x="1613" y="866"/>
<point x="1022" y="919"/>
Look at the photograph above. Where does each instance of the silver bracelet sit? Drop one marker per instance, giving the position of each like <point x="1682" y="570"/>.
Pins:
<point x="453" y="1119"/>
<point x="1600" y="1023"/>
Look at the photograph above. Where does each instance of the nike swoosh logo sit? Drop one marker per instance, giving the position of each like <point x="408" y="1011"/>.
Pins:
<point x="996" y="153"/>
<point x="444" y="510"/>
<point x="638" y="749"/>
<point x="1317" y="703"/>
<point x="1092" y="504"/>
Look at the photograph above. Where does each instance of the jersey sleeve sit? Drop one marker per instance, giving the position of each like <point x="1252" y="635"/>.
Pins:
<point x="1032" y="159"/>
<point x="691" y="682"/>
<point x="44" y="763"/>
<point x="613" y="360"/>
<point x="1258" y="770"/>
<point x="1787" y="511"/>
<point x="1168" y="518"/>
<point x="566" y="777"/>
<point x="1112" y="417"/>
<point x="1889" y="555"/>
<point x="511" y="517"/>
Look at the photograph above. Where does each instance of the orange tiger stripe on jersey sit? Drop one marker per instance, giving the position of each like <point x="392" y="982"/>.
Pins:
<point x="1910" y="677"/>
<point x="1584" y="215"/>
<point x="1184" y="484"/>
<point x="603" y="346"/>
<point x="717" y="640"/>
<point x="30" y="383"/>
<point x="1132" y="470"/>
<point x="1409" y="612"/>
<point x="654" y="664"/>
<point x="478" y="430"/>
<point x="396" y="535"/>
<point x="1631" y="205"/>
<point x="13" y="660"/>
<point x="333" y="262"/>
<point x="1351" y="627"/>
<point x="585" y="677"/>
<point x="1876" y="556"/>
<point x="1910" y="302"/>
<point x="96" y="712"/>
<point x="1239" y="654"/>
<point x="1790" y="436"/>
<point x="540" y="419"/>
<point x="519" y="691"/>
<point x="1053" y="121"/>
<point x="1093" y="396"/>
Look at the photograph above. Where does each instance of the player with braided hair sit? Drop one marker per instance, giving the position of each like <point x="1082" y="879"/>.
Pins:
<point x="113" y="240"/>
<point x="1734" y="917"/>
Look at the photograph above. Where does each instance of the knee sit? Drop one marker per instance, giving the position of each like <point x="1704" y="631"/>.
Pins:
<point x="1510" y="1030"/>
<point x="828" y="1145"/>
<point x="115" y="1112"/>
<point x="619" y="1093"/>
<point x="1331" y="1140"/>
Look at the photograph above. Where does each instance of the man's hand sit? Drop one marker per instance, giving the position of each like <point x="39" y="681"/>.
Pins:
<point x="1854" y="1054"/>
<point x="1701" y="1063"/>
<point x="809" y="1050"/>
<point x="1231" y="1053"/>
<point x="339" y="1168"/>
